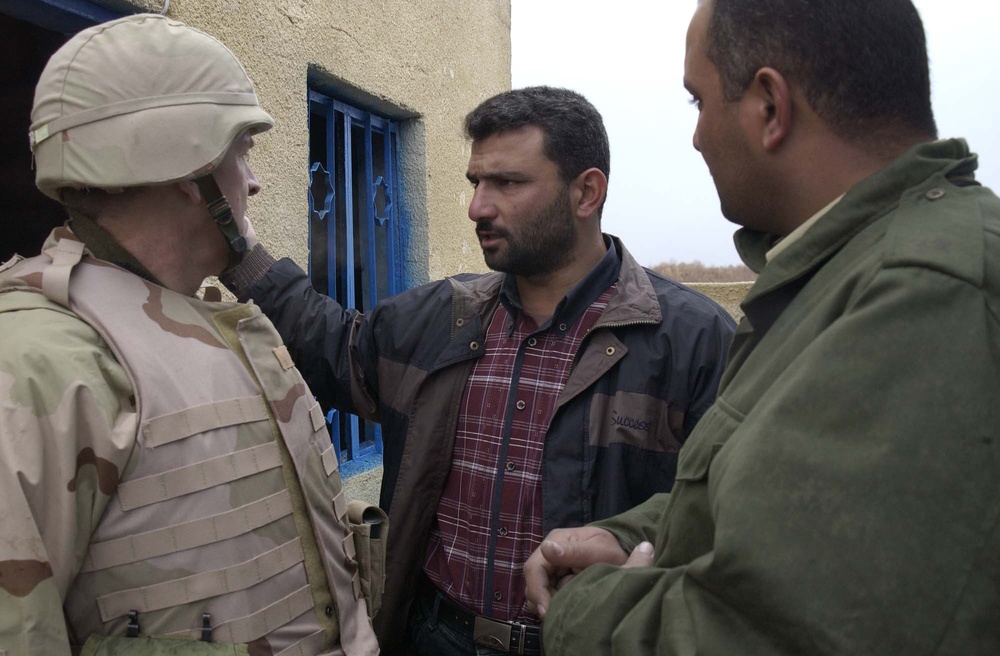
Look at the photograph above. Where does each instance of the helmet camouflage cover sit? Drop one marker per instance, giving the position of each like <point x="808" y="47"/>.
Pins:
<point x="142" y="100"/>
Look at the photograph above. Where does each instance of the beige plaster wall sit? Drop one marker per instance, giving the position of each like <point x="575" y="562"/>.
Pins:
<point x="428" y="62"/>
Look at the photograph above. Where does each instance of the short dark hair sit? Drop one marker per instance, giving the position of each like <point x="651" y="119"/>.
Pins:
<point x="861" y="63"/>
<point x="575" y="138"/>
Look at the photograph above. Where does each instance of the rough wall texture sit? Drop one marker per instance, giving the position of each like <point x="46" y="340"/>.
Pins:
<point x="427" y="62"/>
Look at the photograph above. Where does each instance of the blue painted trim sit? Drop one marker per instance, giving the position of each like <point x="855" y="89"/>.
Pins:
<point x="65" y="16"/>
<point x="371" y="260"/>
<point x="331" y="225"/>
<point x="360" y="465"/>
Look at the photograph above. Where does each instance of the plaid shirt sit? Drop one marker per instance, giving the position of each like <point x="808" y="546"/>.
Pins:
<point x="489" y="519"/>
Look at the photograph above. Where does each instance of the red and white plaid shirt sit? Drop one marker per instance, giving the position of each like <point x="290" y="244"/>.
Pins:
<point x="477" y="549"/>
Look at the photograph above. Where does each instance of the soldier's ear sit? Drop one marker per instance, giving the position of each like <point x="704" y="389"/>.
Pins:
<point x="190" y="190"/>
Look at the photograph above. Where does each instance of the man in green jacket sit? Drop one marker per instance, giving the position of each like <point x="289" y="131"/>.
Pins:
<point x="841" y="496"/>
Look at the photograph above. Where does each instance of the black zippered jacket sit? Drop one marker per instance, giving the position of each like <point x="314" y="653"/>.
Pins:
<point x="642" y="378"/>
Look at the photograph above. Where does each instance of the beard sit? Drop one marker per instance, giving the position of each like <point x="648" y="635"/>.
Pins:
<point x="539" y="245"/>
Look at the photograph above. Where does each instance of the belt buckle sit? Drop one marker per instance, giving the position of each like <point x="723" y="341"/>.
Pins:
<point x="489" y="633"/>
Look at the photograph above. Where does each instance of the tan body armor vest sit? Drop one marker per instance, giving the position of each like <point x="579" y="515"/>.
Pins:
<point x="229" y="521"/>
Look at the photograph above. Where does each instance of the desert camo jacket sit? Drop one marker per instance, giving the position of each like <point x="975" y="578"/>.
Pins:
<point x="164" y="471"/>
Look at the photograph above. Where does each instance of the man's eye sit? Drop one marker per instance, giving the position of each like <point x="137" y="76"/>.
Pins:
<point x="696" y="102"/>
<point x="508" y="183"/>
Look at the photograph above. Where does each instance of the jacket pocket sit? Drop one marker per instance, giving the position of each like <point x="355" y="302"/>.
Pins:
<point x="370" y="527"/>
<point x="713" y="431"/>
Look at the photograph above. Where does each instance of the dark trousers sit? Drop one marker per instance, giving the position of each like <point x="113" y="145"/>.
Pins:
<point x="430" y="637"/>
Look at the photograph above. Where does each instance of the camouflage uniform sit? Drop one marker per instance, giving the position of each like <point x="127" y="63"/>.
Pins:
<point x="167" y="476"/>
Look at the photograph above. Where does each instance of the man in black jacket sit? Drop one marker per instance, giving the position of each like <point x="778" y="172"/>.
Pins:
<point x="551" y="393"/>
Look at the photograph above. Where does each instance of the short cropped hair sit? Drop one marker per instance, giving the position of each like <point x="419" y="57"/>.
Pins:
<point x="861" y="63"/>
<point x="575" y="138"/>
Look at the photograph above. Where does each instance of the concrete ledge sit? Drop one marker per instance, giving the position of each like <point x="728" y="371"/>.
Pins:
<point x="365" y="486"/>
<point x="727" y="294"/>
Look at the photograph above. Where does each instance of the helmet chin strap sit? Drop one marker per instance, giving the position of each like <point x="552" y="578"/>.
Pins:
<point x="222" y="214"/>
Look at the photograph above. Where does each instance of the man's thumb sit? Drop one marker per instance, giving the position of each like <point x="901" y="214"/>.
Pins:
<point x="641" y="556"/>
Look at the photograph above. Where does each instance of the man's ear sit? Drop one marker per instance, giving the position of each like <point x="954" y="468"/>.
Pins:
<point x="190" y="190"/>
<point x="588" y="192"/>
<point x="771" y="102"/>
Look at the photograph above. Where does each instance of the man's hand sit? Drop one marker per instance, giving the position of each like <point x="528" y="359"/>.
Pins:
<point x="567" y="551"/>
<point x="246" y="229"/>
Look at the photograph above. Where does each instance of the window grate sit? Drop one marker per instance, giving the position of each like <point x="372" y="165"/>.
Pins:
<point x="354" y="228"/>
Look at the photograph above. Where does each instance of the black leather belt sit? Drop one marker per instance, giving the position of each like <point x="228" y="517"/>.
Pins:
<point x="510" y="637"/>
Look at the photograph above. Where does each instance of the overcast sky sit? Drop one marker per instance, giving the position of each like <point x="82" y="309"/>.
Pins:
<point x="627" y="57"/>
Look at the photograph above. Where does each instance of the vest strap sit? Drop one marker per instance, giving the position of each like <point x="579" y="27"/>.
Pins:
<point x="317" y="417"/>
<point x="340" y="507"/>
<point x="348" y="544"/>
<point x="184" y="424"/>
<point x="65" y="255"/>
<point x="204" y="585"/>
<point x="284" y="358"/>
<point x="196" y="533"/>
<point x="199" y="476"/>
<point x="308" y="646"/>
<point x="249" y="628"/>
<point x="329" y="458"/>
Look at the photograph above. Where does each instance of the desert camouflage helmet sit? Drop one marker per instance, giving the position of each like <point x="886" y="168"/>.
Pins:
<point x="143" y="100"/>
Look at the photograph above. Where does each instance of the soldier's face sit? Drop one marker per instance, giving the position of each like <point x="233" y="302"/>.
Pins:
<point x="521" y="204"/>
<point x="236" y="179"/>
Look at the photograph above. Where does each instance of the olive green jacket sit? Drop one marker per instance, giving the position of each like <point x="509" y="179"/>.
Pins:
<point x="842" y="496"/>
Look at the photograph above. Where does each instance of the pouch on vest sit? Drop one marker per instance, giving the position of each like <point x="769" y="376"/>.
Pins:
<point x="117" y="646"/>
<point x="370" y="526"/>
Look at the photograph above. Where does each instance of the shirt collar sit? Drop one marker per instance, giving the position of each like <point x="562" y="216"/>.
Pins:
<point x="796" y="234"/>
<point x="579" y="298"/>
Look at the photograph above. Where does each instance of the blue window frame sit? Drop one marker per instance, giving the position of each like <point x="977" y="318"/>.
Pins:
<point x="354" y="232"/>
<point x="64" y="16"/>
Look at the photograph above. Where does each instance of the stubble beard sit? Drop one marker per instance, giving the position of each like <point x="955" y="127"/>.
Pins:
<point x="541" y="245"/>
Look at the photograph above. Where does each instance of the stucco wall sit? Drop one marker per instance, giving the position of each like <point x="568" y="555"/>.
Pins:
<point x="428" y="62"/>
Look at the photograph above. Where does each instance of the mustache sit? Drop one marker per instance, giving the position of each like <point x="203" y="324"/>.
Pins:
<point x="484" y="227"/>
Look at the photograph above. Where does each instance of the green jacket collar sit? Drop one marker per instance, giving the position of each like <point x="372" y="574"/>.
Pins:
<point x="864" y="203"/>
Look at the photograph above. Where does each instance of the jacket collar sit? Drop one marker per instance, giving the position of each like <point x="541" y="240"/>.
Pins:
<point x="634" y="300"/>
<point x="863" y="204"/>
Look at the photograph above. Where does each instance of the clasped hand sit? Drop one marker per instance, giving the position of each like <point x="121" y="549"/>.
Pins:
<point x="566" y="552"/>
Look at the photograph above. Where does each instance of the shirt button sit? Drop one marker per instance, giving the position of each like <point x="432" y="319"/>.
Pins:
<point x="510" y="466"/>
<point x="610" y="351"/>
<point x="474" y="346"/>
<point x="460" y="322"/>
<point x="503" y="530"/>
<point x="521" y="405"/>
<point x="498" y="595"/>
<point x="562" y="327"/>
<point x="935" y="194"/>
<point x="329" y="611"/>
<point x="532" y="341"/>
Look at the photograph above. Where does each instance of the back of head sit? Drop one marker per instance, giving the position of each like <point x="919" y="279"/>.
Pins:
<point x="862" y="64"/>
<point x="575" y="138"/>
<point x="143" y="100"/>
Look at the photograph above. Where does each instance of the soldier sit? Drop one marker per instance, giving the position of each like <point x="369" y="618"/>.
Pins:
<point x="165" y="472"/>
